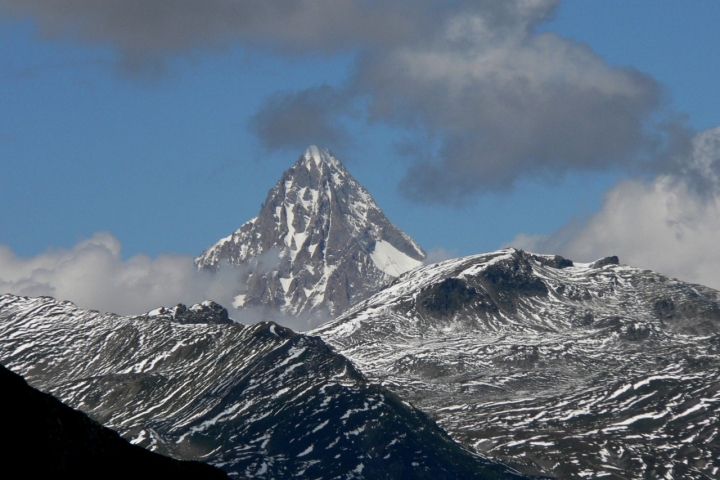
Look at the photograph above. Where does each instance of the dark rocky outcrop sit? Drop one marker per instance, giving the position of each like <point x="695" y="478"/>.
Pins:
<point x="208" y="312"/>
<point x="554" y="261"/>
<point x="613" y="260"/>
<point x="449" y="297"/>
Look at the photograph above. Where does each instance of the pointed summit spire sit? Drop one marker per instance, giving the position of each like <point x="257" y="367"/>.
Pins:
<point x="322" y="159"/>
<point x="319" y="244"/>
<point x="317" y="155"/>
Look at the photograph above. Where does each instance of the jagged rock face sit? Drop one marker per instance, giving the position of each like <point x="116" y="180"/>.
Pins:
<point x="257" y="401"/>
<point x="580" y="370"/>
<point x="319" y="245"/>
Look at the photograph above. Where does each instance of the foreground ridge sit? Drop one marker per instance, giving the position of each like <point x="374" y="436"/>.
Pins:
<point x="575" y="370"/>
<point x="71" y="445"/>
<point x="259" y="401"/>
<point x="319" y="244"/>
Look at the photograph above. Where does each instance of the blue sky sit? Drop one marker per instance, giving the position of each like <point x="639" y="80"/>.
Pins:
<point x="153" y="136"/>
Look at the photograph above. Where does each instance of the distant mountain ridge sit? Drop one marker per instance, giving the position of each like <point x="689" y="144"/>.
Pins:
<point x="595" y="370"/>
<point x="319" y="244"/>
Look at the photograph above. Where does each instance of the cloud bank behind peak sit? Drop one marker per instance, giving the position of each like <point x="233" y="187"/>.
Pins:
<point x="666" y="224"/>
<point x="92" y="274"/>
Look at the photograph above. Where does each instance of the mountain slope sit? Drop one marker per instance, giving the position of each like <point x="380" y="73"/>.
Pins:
<point x="572" y="370"/>
<point x="70" y="444"/>
<point x="318" y="245"/>
<point x="258" y="401"/>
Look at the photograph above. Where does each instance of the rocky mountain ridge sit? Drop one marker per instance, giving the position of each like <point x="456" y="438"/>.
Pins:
<point x="574" y="370"/>
<point x="257" y="401"/>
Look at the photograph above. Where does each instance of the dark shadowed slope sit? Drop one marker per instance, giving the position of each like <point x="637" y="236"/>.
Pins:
<point x="46" y="439"/>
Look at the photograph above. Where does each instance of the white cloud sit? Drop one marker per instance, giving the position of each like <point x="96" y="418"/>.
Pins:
<point x="438" y="254"/>
<point x="664" y="225"/>
<point x="93" y="275"/>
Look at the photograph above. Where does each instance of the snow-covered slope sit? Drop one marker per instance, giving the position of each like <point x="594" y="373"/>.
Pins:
<point x="318" y="245"/>
<point x="576" y="370"/>
<point x="257" y="401"/>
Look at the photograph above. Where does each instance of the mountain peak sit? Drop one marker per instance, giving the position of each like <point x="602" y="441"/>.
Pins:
<point x="319" y="244"/>
<point x="319" y="156"/>
<point x="321" y="160"/>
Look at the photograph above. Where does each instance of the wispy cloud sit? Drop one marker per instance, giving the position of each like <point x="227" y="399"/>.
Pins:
<point x="93" y="275"/>
<point x="666" y="224"/>
<point x="438" y="254"/>
<point x="288" y="120"/>
<point x="154" y="28"/>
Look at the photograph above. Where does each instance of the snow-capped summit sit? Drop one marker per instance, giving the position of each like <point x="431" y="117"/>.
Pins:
<point x="319" y="244"/>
